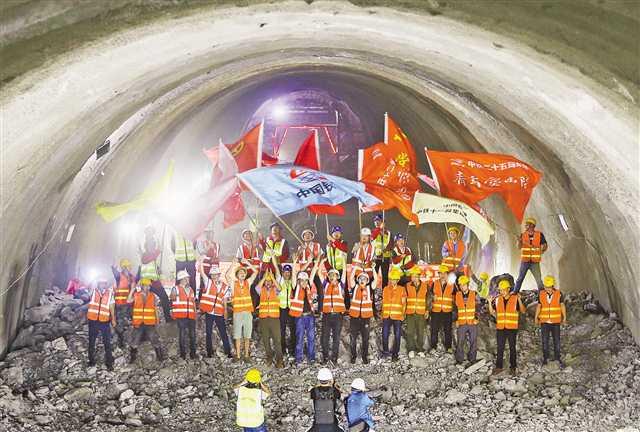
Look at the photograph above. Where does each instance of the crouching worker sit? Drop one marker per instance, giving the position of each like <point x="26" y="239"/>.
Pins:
<point x="249" y="410"/>
<point x="326" y="401"/>
<point x="144" y="318"/>
<point x="357" y="408"/>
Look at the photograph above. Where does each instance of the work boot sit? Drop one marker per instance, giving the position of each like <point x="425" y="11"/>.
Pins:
<point x="496" y="371"/>
<point x="395" y="358"/>
<point x="110" y="367"/>
<point x="159" y="354"/>
<point x="133" y="355"/>
<point x="513" y="371"/>
<point x="269" y="360"/>
<point x="365" y="361"/>
<point x="353" y="360"/>
<point x="279" y="364"/>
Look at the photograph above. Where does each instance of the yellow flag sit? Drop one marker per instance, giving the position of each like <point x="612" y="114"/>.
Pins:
<point x="112" y="211"/>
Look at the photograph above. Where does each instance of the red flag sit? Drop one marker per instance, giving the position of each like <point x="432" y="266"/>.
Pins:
<point x="309" y="156"/>
<point x="388" y="170"/>
<point x="471" y="177"/>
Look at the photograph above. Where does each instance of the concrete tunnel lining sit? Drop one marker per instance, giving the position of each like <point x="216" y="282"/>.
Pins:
<point x="573" y="118"/>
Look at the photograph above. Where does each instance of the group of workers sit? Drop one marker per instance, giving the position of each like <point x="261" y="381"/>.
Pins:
<point x="288" y="292"/>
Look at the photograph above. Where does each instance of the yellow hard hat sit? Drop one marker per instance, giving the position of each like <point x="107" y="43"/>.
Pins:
<point x="453" y="228"/>
<point x="145" y="281"/>
<point x="504" y="284"/>
<point x="443" y="268"/>
<point x="549" y="281"/>
<point x="125" y="263"/>
<point x="530" y="220"/>
<point x="253" y="376"/>
<point x="484" y="276"/>
<point x="415" y="270"/>
<point x="395" y="274"/>
<point x="463" y="280"/>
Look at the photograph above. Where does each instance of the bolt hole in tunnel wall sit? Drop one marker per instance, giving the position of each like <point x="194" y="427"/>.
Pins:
<point x="167" y="89"/>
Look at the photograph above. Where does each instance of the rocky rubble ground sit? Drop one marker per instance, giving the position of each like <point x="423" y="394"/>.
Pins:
<point x="45" y="384"/>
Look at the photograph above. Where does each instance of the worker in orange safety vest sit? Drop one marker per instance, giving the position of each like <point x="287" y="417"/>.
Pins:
<point x="442" y="307"/>
<point x="145" y="316"/>
<point x="532" y="244"/>
<point x="101" y="316"/>
<point x="183" y="311"/>
<point x="506" y="308"/>
<point x="125" y="281"/>
<point x="550" y="314"/>
<point x="394" y="303"/>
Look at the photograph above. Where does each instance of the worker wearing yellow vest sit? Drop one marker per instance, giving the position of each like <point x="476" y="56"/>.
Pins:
<point x="401" y="258"/>
<point x="416" y="313"/>
<point x="361" y="312"/>
<point x="184" y="251"/>
<point x="532" y="244"/>
<point x="333" y="303"/>
<point x="269" y="314"/>
<point x="550" y="314"/>
<point x="381" y="239"/>
<point x="394" y="303"/>
<point x="242" y="307"/>
<point x="287" y="322"/>
<point x="100" y="317"/>
<point x="442" y="307"/>
<point x="337" y="251"/>
<point x="144" y="318"/>
<point x="150" y="255"/>
<point x="249" y="410"/>
<point x="506" y="308"/>
<point x="125" y="281"/>
<point x="183" y="310"/>
<point x="213" y="303"/>
<point x="466" y="311"/>
<point x="304" y="307"/>
<point x="276" y="249"/>
<point x="453" y="250"/>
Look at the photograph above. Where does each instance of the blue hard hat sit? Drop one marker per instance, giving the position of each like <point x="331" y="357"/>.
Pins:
<point x="286" y="267"/>
<point x="336" y="228"/>
<point x="377" y="217"/>
<point x="398" y="237"/>
<point x="275" y="224"/>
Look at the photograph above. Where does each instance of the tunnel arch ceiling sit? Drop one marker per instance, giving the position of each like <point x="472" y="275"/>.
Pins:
<point x="512" y="100"/>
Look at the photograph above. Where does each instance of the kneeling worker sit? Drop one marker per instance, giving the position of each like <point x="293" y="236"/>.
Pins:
<point x="249" y="410"/>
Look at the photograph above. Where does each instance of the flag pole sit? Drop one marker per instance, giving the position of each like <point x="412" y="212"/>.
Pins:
<point x="359" y="216"/>
<point x="326" y="221"/>
<point x="288" y="228"/>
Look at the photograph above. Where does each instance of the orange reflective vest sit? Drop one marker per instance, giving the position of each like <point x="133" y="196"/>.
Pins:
<point x="364" y="258"/>
<point x="184" y="306"/>
<point x="550" y="311"/>
<point x="361" y="303"/>
<point x="507" y="313"/>
<point x="466" y="309"/>
<point x="531" y="250"/>
<point x="417" y="299"/>
<point x="242" y="297"/>
<point x="393" y="302"/>
<point x="333" y="298"/>
<point x="144" y="309"/>
<point x="98" y="309"/>
<point x="122" y="289"/>
<point x="307" y="253"/>
<point x="452" y="261"/>
<point x="442" y="301"/>
<point x="297" y="301"/>
<point x="212" y="300"/>
<point x="269" y="303"/>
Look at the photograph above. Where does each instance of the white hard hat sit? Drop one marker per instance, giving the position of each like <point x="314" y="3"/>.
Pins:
<point x="182" y="274"/>
<point x="325" y="374"/>
<point x="308" y="231"/>
<point x="214" y="270"/>
<point x="365" y="231"/>
<point x="303" y="276"/>
<point x="358" y="384"/>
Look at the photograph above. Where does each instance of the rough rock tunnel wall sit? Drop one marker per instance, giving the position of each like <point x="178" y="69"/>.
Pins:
<point x="500" y="89"/>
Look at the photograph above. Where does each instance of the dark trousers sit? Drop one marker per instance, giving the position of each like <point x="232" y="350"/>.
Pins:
<point x="440" y="320"/>
<point x="187" y="328"/>
<point x="190" y="267"/>
<point x="387" y="324"/>
<point x="383" y="265"/>
<point x="535" y="271"/>
<point x="123" y="322"/>
<point x="331" y="328"/>
<point x="287" y="322"/>
<point x="359" y="327"/>
<point x="221" y="325"/>
<point x="502" y="336"/>
<point x="270" y="335"/>
<point x="104" y="328"/>
<point x="158" y="289"/>
<point x="547" y="331"/>
<point x="467" y="331"/>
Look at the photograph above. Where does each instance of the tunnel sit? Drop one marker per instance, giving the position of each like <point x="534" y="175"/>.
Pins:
<point x="163" y="81"/>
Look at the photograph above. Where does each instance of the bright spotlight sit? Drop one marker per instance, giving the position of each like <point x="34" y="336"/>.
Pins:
<point x="128" y="229"/>
<point x="93" y="274"/>
<point x="280" y="112"/>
